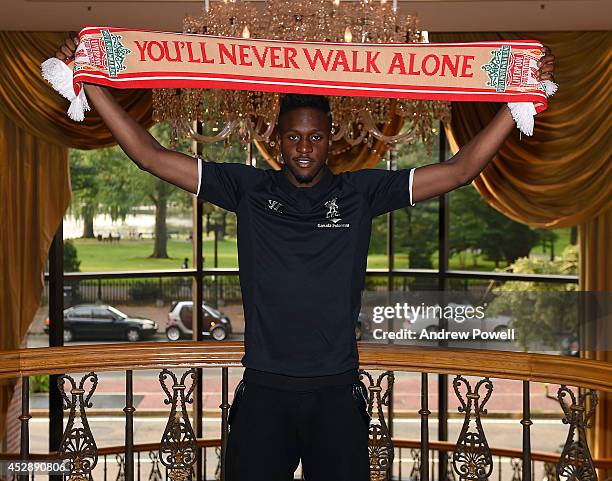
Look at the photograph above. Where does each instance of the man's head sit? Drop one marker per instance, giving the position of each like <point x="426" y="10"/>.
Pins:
<point x="304" y="126"/>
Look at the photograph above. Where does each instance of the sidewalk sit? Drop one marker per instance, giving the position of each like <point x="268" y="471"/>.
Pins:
<point x="505" y="402"/>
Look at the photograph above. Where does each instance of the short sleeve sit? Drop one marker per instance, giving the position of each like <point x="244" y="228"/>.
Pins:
<point x="385" y="190"/>
<point x="224" y="184"/>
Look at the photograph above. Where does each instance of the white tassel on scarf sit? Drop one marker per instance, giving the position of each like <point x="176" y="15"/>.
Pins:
<point x="59" y="75"/>
<point x="523" y="112"/>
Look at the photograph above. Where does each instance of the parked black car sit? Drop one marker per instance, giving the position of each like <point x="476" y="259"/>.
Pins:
<point x="104" y="322"/>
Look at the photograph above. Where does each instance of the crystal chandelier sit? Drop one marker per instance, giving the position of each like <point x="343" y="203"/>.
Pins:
<point x="251" y="116"/>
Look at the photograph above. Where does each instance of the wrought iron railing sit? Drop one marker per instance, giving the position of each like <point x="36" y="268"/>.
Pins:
<point x="180" y="455"/>
<point x="171" y="285"/>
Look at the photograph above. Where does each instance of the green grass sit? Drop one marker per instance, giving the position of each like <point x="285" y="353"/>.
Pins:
<point x="561" y="243"/>
<point x="128" y="255"/>
<point x="227" y="253"/>
<point x="133" y="255"/>
<point x="482" y="264"/>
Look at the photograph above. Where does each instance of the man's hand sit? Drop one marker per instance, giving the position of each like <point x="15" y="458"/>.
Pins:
<point x="546" y="66"/>
<point x="66" y="50"/>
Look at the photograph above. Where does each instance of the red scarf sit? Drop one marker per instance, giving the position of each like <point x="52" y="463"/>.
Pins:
<point x="122" y="58"/>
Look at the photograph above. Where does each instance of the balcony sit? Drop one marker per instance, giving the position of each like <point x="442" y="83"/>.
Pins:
<point x="180" y="454"/>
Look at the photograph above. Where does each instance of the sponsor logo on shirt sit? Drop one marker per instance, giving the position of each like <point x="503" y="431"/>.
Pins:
<point x="332" y="215"/>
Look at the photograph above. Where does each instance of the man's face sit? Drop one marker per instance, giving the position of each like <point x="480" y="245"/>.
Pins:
<point x="304" y="141"/>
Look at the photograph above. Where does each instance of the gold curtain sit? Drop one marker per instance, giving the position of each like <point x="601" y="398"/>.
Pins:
<point x="560" y="177"/>
<point x="34" y="191"/>
<point x="595" y="275"/>
<point x="35" y="133"/>
<point x="33" y="105"/>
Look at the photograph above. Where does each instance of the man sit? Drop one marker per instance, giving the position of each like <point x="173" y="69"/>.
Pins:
<point x="303" y="236"/>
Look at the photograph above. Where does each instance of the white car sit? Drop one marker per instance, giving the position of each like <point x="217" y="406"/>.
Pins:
<point x="180" y="321"/>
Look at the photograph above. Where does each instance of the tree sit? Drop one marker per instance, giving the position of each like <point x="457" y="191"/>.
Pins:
<point x="105" y="180"/>
<point x="100" y="184"/>
<point x="416" y="228"/>
<point x="505" y="239"/>
<point x="574" y="235"/>
<point x="548" y="237"/>
<point x="71" y="258"/>
<point x="477" y="226"/>
<point x="160" y="194"/>
<point x="421" y="233"/>
<point x="119" y="183"/>
<point x="467" y="223"/>
<point x="541" y="312"/>
<point x="85" y="201"/>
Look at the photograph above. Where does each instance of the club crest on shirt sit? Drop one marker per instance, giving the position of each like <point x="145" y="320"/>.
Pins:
<point x="332" y="215"/>
<point x="332" y="210"/>
<point x="276" y="206"/>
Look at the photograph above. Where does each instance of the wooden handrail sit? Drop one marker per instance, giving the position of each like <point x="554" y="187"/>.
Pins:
<point x="210" y="354"/>
<point x="605" y="463"/>
<point x="397" y="443"/>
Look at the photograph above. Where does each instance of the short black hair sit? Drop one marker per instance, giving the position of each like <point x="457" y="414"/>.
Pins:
<point x="292" y="102"/>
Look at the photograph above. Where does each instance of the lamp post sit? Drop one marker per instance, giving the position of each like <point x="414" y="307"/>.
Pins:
<point x="217" y="228"/>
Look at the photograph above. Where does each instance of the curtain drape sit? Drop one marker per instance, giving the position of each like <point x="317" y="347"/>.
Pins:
<point x="34" y="192"/>
<point x="33" y="105"/>
<point x="595" y="276"/>
<point x="35" y="133"/>
<point x="560" y="177"/>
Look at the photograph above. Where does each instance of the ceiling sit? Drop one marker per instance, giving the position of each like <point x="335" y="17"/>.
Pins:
<point x="435" y="15"/>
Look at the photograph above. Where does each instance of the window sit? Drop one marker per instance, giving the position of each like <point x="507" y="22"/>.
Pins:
<point x="117" y="312"/>
<point x="81" y="312"/>
<point x="123" y="219"/>
<point x="102" y="313"/>
<point x="219" y="245"/>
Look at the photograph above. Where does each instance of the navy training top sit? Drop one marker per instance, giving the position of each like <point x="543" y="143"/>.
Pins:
<point x="302" y="253"/>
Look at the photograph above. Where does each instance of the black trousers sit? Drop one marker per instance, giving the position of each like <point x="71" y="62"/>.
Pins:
<point x="271" y="429"/>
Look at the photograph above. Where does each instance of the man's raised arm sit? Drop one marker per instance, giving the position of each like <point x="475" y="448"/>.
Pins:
<point x="463" y="167"/>
<point x="139" y="145"/>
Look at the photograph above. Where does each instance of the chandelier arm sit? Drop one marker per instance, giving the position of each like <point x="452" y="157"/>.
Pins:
<point x="376" y="133"/>
<point x="266" y="135"/>
<point x="207" y="139"/>
<point x="258" y="123"/>
<point x="344" y="132"/>
<point x="353" y="141"/>
<point x="339" y="134"/>
<point x="392" y="139"/>
<point x="253" y="132"/>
